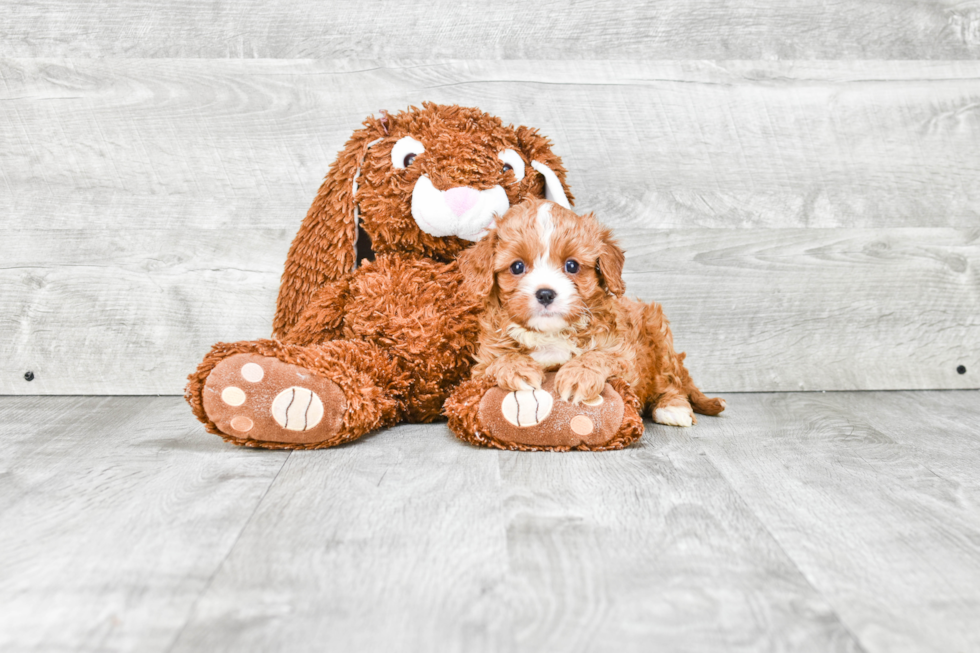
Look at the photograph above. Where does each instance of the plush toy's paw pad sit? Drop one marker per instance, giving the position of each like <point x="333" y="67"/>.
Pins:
<point x="526" y="407"/>
<point x="297" y="409"/>
<point x="540" y="419"/>
<point x="581" y="425"/>
<point x="253" y="397"/>
<point x="674" y="415"/>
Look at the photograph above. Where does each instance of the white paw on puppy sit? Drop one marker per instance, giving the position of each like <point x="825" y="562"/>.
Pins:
<point x="674" y="416"/>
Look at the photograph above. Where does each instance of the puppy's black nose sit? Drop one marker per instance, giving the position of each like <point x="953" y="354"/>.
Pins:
<point x="545" y="296"/>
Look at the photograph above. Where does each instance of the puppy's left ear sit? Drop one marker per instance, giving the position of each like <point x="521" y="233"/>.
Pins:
<point x="476" y="264"/>
<point x="610" y="264"/>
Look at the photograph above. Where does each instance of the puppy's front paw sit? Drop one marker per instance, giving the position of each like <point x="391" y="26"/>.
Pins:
<point x="577" y="384"/>
<point x="519" y="376"/>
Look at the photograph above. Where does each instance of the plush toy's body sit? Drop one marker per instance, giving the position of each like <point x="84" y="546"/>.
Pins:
<point x="358" y="349"/>
<point x="368" y="358"/>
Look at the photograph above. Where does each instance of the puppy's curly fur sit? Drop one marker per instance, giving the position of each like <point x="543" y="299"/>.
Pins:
<point x="555" y="301"/>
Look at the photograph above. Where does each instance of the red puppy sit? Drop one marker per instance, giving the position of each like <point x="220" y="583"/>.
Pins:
<point x="554" y="285"/>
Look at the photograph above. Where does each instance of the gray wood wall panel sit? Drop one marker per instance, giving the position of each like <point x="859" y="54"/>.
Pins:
<point x="148" y="205"/>
<point x="511" y="29"/>
<point x="833" y="309"/>
<point x="97" y="311"/>
<point x="93" y="311"/>
<point x="724" y="144"/>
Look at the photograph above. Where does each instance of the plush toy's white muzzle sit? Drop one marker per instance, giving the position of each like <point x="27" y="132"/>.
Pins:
<point x="462" y="211"/>
<point x="468" y="213"/>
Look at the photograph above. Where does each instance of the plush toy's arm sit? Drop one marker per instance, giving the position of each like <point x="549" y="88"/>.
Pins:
<point x="323" y="318"/>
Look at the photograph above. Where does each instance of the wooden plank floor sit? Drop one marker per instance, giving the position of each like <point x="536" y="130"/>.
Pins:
<point x="810" y="521"/>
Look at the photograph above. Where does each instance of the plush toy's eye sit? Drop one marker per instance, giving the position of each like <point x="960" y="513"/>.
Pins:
<point x="513" y="161"/>
<point x="571" y="266"/>
<point x="517" y="268"/>
<point x="405" y="151"/>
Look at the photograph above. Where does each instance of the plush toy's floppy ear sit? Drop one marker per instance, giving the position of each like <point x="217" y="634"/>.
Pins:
<point x="610" y="264"/>
<point x="476" y="264"/>
<point x="324" y="247"/>
<point x="537" y="149"/>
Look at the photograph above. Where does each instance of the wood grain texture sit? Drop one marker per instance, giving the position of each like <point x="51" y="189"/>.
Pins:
<point x="870" y="495"/>
<point x="393" y="543"/>
<point x="114" y="515"/>
<point x="600" y="29"/>
<point x="132" y="312"/>
<point x="144" y="143"/>
<point x="815" y="309"/>
<point x="149" y="204"/>
<point x="793" y="522"/>
<point x="412" y="541"/>
<point x="648" y="549"/>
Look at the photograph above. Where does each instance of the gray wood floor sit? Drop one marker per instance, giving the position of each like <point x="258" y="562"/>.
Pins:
<point x="840" y="521"/>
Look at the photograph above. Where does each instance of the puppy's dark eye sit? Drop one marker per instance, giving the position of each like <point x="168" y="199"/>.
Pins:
<point x="517" y="267"/>
<point x="571" y="266"/>
<point x="507" y="167"/>
<point x="408" y="159"/>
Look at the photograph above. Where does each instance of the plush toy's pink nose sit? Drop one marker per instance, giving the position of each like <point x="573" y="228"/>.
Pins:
<point x="461" y="199"/>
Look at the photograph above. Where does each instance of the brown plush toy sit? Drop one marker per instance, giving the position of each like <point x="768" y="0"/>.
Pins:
<point x="356" y="349"/>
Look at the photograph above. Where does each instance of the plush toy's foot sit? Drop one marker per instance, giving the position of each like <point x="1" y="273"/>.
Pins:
<point x="537" y="420"/>
<point x="260" y="400"/>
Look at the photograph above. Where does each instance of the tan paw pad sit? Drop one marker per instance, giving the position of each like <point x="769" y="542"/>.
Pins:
<point x="594" y="402"/>
<point x="242" y="424"/>
<point x="297" y="409"/>
<point x="252" y="372"/>
<point x="233" y="396"/>
<point x="581" y="425"/>
<point x="527" y="407"/>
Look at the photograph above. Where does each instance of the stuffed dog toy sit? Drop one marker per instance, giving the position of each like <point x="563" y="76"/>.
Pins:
<point x="554" y="288"/>
<point x="359" y="348"/>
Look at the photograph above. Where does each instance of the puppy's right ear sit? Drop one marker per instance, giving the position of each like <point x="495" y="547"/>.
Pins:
<point x="610" y="263"/>
<point x="325" y="246"/>
<point x="476" y="264"/>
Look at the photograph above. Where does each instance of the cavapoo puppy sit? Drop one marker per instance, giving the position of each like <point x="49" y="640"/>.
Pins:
<point x="554" y="288"/>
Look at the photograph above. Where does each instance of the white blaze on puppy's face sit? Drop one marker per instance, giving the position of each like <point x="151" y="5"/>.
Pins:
<point x="547" y="274"/>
